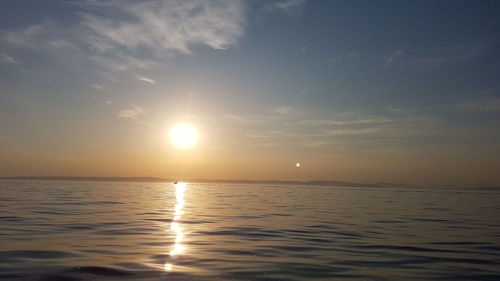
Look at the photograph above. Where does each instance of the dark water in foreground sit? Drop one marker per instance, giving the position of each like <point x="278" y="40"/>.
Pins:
<point x="157" y="231"/>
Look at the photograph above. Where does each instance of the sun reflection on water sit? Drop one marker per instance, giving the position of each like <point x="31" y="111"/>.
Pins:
<point x="175" y="226"/>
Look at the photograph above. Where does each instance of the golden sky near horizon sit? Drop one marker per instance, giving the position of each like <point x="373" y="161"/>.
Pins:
<point x="351" y="93"/>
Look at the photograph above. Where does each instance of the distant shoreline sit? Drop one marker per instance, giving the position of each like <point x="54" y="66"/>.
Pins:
<point x="331" y="183"/>
<point x="156" y="179"/>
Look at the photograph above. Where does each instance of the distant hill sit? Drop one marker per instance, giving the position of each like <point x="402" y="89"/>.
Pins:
<point x="483" y="187"/>
<point x="133" y="179"/>
<point x="155" y="179"/>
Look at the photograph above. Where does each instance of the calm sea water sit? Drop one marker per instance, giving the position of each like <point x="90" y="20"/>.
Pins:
<point x="159" y="231"/>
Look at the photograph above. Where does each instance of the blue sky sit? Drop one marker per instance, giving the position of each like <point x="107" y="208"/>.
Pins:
<point x="402" y="91"/>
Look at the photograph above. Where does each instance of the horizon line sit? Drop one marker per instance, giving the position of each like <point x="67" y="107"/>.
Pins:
<point x="316" y="182"/>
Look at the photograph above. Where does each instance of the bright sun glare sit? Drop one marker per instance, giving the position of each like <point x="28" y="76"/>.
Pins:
<point x="184" y="135"/>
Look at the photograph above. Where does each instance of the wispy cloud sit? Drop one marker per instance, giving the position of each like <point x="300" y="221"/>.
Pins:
<point x="133" y="113"/>
<point x="165" y="26"/>
<point x="98" y="87"/>
<point x="317" y="144"/>
<point x="486" y="102"/>
<point x="260" y="136"/>
<point x="288" y="110"/>
<point x="287" y="6"/>
<point x="482" y="105"/>
<point x="352" y="132"/>
<point x="24" y="36"/>
<point x="333" y="122"/>
<point x="46" y="36"/>
<point x="128" y="36"/>
<point x="320" y="133"/>
<point x="8" y="59"/>
<point x="348" y="130"/>
<point x="145" y="79"/>
<point x="246" y="119"/>
<point x="119" y="62"/>
<point x="452" y="53"/>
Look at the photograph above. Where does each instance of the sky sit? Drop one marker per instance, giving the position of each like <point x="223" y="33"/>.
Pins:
<point x="364" y="91"/>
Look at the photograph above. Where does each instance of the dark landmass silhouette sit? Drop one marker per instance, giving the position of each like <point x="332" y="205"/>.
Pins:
<point x="332" y="183"/>
<point x="156" y="179"/>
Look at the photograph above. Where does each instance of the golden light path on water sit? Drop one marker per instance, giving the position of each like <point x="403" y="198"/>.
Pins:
<point x="175" y="226"/>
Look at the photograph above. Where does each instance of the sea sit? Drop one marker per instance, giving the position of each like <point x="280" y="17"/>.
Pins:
<point x="86" y="230"/>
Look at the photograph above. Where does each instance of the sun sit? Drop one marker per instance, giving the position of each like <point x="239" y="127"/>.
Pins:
<point x="184" y="135"/>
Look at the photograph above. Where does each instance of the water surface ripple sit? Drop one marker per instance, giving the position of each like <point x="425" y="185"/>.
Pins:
<point x="69" y="231"/>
